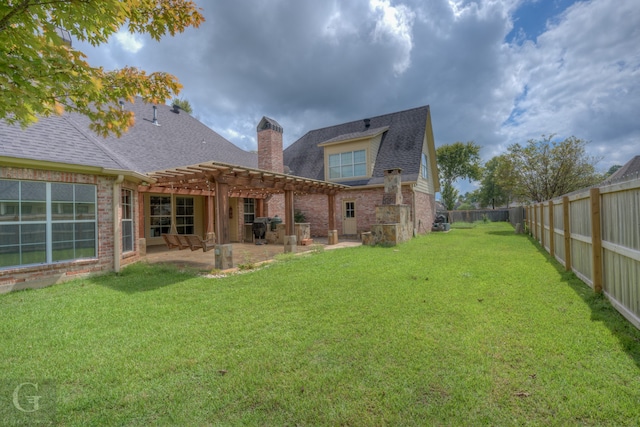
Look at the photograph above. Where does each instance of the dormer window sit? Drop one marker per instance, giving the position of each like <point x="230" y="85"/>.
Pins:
<point x="348" y="164"/>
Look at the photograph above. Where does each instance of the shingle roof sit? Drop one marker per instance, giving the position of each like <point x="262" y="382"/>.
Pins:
<point x="630" y="170"/>
<point x="401" y="145"/>
<point x="179" y="140"/>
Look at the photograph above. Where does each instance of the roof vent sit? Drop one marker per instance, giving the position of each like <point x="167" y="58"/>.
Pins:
<point x="121" y="102"/>
<point x="155" y="116"/>
<point x="367" y="123"/>
<point x="176" y="108"/>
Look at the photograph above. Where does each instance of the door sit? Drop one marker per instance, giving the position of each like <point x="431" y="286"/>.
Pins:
<point x="349" y="224"/>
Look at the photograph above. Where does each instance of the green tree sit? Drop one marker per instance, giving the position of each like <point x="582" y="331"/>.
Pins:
<point x="613" y="169"/>
<point x="41" y="74"/>
<point x="457" y="161"/>
<point x="497" y="185"/>
<point x="183" y="104"/>
<point x="545" y="169"/>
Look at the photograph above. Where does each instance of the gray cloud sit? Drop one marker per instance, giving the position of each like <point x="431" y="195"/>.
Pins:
<point x="310" y="64"/>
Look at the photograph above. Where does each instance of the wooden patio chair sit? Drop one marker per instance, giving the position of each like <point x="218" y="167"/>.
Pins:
<point x="196" y="242"/>
<point x="173" y="241"/>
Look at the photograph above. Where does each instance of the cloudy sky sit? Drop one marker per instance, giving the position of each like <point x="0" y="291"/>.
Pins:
<point x="495" y="72"/>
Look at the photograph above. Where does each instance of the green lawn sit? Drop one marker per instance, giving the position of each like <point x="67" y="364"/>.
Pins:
<point x="477" y="326"/>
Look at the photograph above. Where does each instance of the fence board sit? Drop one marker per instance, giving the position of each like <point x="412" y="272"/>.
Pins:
<point x="596" y="234"/>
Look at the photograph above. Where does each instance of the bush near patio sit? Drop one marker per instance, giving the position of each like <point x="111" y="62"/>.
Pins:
<point x="475" y="326"/>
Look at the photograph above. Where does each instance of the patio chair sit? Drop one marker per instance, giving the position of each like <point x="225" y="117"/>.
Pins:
<point x="173" y="241"/>
<point x="196" y="242"/>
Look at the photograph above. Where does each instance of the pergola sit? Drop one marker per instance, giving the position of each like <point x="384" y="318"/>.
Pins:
<point x="219" y="181"/>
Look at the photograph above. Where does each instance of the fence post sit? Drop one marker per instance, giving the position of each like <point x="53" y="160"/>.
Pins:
<point x="567" y="233"/>
<point x="542" y="224"/>
<point x="535" y="222"/>
<point x="552" y="233"/>
<point x="596" y="239"/>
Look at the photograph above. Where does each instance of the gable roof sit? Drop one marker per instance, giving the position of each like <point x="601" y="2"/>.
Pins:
<point x="177" y="140"/>
<point x="401" y="145"/>
<point x="630" y="170"/>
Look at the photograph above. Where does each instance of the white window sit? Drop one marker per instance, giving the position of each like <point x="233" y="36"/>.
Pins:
<point x="424" y="168"/>
<point x="347" y="165"/>
<point x="159" y="215"/>
<point x="249" y="211"/>
<point x="44" y="222"/>
<point x="127" y="220"/>
<point x="185" y="218"/>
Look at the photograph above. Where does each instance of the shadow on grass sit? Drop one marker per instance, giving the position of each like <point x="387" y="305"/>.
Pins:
<point x="505" y="233"/>
<point x="144" y="277"/>
<point x="601" y="309"/>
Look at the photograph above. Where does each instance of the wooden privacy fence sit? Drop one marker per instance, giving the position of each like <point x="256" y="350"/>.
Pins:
<point x="492" y="215"/>
<point x="596" y="234"/>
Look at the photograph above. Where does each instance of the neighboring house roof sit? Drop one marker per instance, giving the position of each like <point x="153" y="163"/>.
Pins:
<point x="630" y="170"/>
<point x="177" y="140"/>
<point x="401" y="145"/>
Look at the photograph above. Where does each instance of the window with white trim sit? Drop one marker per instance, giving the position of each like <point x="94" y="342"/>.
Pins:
<point x="159" y="215"/>
<point x="348" y="164"/>
<point x="126" y="204"/>
<point x="424" y="167"/>
<point x="249" y="210"/>
<point x="45" y="222"/>
<point x="185" y="218"/>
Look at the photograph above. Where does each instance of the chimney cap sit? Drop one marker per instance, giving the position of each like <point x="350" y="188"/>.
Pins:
<point x="267" y="123"/>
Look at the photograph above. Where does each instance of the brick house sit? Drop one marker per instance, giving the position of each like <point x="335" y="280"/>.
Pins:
<point x="73" y="203"/>
<point x="356" y="154"/>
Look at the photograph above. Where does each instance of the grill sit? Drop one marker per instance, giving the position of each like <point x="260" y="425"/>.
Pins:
<point x="259" y="228"/>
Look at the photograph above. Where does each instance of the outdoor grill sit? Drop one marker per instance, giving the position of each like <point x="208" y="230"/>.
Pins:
<point x="259" y="228"/>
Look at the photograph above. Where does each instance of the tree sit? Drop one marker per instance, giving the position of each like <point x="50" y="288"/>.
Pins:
<point x="613" y="169"/>
<point x="497" y="185"/>
<point x="545" y="169"/>
<point x="457" y="161"/>
<point x="41" y="74"/>
<point x="183" y="104"/>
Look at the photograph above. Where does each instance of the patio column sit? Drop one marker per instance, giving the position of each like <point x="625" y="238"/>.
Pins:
<point x="332" y="233"/>
<point x="223" y="250"/>
<point x="259" y="208"/>
<point x="290" y="241"/>
<point x="210" y="232"/>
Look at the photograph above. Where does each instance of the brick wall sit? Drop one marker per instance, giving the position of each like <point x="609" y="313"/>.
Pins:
<point x="315" y="208"/>
<point x="270" y="150"/>
<point x="42" y="275"/>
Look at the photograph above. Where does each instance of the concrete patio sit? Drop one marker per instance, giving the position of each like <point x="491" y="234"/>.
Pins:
<point x="243" y="253"/>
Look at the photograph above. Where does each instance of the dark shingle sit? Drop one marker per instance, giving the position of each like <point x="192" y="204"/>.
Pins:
<point x="401" y="145"/>
<point x="179" y="140"/>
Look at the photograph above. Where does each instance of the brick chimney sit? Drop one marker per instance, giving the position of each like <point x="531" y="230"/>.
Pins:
<point x="270" y="145"/>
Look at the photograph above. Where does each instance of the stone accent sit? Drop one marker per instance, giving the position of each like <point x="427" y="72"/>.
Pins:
<point x="392" y="187"/>
<point x="223" y="256"/>
<point x="332" y="237"/>
<point x="367" y="238"/>
<point x="303" y="231"/>
<point x="397" y="215"/>
<point x="290" y="243"/>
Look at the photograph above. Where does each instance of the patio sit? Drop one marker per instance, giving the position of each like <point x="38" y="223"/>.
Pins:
<point x="243" y="253"/>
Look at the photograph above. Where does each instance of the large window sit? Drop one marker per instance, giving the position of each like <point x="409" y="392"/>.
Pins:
<point x="424" y="168"/>
<point x="127" y="220"/>
<point x="160" y="215"/>
<point x="347" y="165"/>
<point x="185" y="219"/>
<point x="42" y="222"/>
<point x="249" y="211"/>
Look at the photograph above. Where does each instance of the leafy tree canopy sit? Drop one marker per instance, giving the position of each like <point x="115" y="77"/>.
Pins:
<point x="41" y="74"/>
<point x="544" y="169"/>
<point x="457" y="161"/>
<point x="498" y="182"/>
<point x="184" y="105"/>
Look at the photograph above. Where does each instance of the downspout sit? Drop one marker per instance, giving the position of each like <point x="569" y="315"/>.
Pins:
<point x="117" y="238"/>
